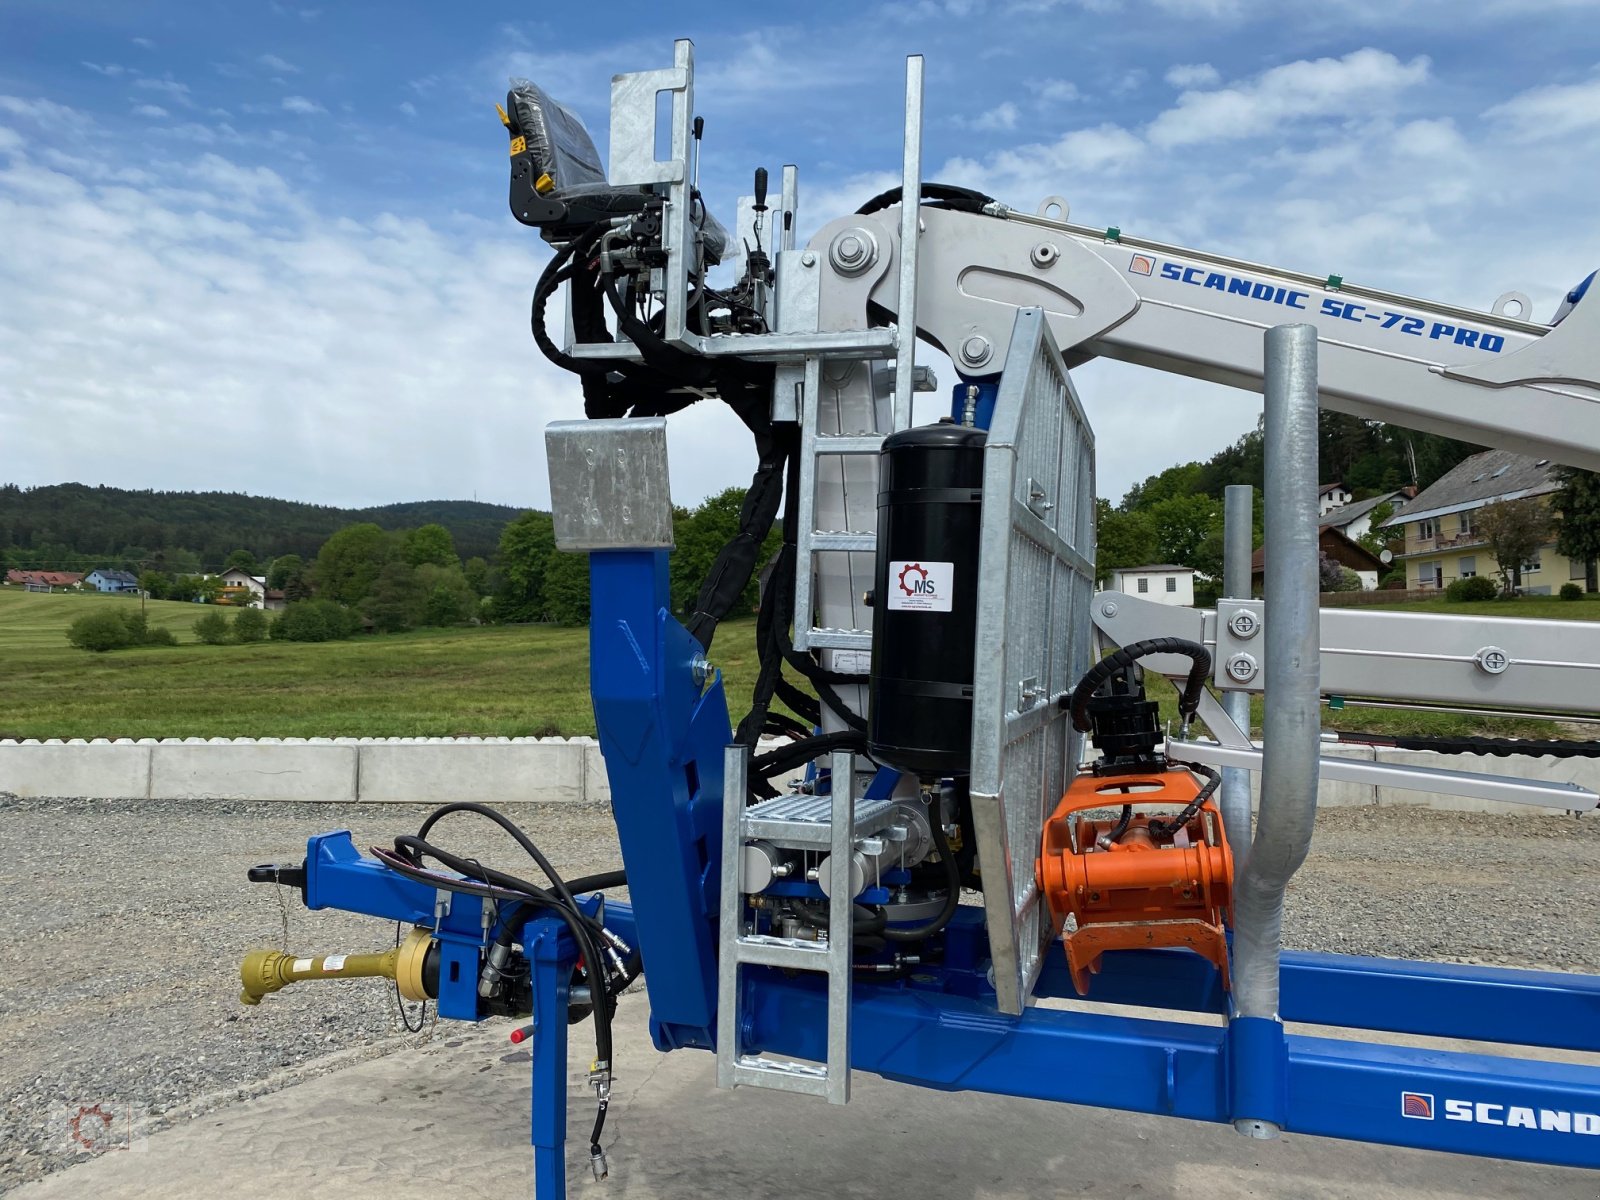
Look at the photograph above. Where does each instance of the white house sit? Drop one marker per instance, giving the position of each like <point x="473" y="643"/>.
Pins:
<point x="253" y="585"/>
<point x="1355" y="519"/>
<point x="1165" y="583"/>
<point x="1331" y="496"/>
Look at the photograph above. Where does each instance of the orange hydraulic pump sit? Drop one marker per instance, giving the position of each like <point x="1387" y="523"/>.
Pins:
<point x="1141" y="881"/>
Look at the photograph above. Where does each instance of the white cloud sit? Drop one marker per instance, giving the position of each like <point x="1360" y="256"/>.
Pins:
<point x="1193" y="75"/>
<point x="1053" y="91"/>
<point x="144" y="43"/>
<point x="1363" y="80"/>
<point x="10" y="140"/>
<point x="273" y="63"/>
<point x="171" y="88"/>
<point x="210" y="326"/>
<point x="1553" y="111"/>
<point x="108" y="69"/>
<point x="1001" y="117"/>
<point x="408" y="108"/>
<point x="149" y="110"/>
<point x="300" y="104"/>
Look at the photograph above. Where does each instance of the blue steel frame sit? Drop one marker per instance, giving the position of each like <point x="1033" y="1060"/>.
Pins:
<point x="662" y="734"/>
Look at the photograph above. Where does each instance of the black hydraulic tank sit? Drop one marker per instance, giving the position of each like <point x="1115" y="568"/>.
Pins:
<point x="925" y="617"/>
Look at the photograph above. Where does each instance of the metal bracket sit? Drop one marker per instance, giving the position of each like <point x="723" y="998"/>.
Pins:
<point x="609" y="488"/>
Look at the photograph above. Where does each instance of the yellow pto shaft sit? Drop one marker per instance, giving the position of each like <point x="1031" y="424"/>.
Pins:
<point x="265" y="971"/>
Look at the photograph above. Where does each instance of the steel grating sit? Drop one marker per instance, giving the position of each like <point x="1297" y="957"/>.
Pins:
<point x="1033" y="641"/>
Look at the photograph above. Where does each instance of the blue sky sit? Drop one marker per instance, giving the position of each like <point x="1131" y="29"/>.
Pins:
<point x="265" y="246"/>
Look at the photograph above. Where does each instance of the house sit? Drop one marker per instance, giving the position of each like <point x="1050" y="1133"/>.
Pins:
<point x="104" y="579"/>
<point x="1343" y="550"/>
<point x="1442" y="542"/>
<point x="44" y="581"/>
<point x="1165" y="583"/>
<point x="1331" y="496"/>
<point x="273" y="600"/>
<point x="1354" y="519"/>
<point x="241" y="588"/>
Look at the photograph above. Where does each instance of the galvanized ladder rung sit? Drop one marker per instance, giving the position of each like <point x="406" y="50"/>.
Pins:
<point x="740" y="947"/>
<point x="811" y="540"/>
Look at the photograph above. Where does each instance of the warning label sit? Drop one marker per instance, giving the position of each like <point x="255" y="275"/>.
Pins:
<point x="921" y="586"/>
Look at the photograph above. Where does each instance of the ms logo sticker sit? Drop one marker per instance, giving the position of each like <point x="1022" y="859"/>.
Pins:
<point x="921" y="586"/>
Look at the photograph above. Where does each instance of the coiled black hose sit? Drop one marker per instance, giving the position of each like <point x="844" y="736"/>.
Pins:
<point x="1188" y="699"/>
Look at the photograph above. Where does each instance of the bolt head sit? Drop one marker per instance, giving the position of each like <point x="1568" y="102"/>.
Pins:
<point x="1242" y="668"/>
<point x="808" y="259"/>
<point x="1243" y="625"/>
<point x="976" y="350"/>
<point x="1108" y="609"/>
<point x="1492" y="660"/>
<point x="1044" y="255"/>
<point x="850" y="248"/>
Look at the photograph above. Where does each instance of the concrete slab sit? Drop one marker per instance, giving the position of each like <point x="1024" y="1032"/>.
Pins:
<point x="109" y="770"/>
<point x="241" y="770"/>
<point x="486" y="772"/>
<point x="452" y="1119"/>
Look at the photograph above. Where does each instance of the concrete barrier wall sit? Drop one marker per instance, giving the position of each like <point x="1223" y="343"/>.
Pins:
<point x="336" y="770"/>
<point x="520" y="770"/>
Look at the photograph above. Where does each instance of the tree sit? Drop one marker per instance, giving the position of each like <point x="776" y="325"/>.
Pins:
<point x="243" y="560"/>
<point x="447" y="597"/>
<point x="1577" y="506"/>
<point x="250" y="625"/>
<point x="1123" y="539"/>
<point x="526" y="546"/>
<point x="1514" y="530"/>
<point x="566" y="589"/>
<point x="349" y="563"/>
<point x="284" y="568"/>
<point x="1376" y="539"/>
<point x="476" y="573"/>
<point x="154" y="584"/>
<point x="396" y="600"/>
<point x="430" y="544"/>
<point x="1182" y="525"/>
<point x="212" y="629"/>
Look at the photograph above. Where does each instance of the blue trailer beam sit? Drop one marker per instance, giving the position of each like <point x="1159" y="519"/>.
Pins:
<point x="1464" y="1103"/>
<point x="1512" y="1006"/>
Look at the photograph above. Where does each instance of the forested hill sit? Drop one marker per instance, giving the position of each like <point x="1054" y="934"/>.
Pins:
<point x="60" y="524"/>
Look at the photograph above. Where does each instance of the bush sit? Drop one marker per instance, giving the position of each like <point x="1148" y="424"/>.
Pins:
<point x="250" y="625"/>
<point x="212" y="629"/>
<point x="1571" y="591"/>
<point x="108" y="629"/>
<point x="100" y="631"/>
<point x="1477" y="587"/>
<point x="314" y="621"/>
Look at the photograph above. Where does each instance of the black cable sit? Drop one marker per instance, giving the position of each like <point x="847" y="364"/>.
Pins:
<point x="1160" y="828"/>
<point x="585" y="929"/>
<point x="1188" y="699"/>
<point x="1123" y="821"/>
<point x="942" y="195"/>
<point x="1499" y="747"/>
<point x="400" y="1001"/>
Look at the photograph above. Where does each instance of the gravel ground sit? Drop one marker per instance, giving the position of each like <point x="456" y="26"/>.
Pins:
<point x="127" y="922"/>
<point x="125" y="927"/>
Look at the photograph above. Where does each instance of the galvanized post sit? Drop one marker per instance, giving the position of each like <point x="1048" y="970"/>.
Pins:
<point x="905" y="352"/>
<point x="1238" y="544"/>
<point x="1291" y="727"/>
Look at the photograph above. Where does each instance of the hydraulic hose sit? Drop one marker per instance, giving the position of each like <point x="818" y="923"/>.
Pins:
<point x="1188" y="699"/>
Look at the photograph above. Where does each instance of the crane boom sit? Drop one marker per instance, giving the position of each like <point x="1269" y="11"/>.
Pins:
<point x="1484" y="377"/>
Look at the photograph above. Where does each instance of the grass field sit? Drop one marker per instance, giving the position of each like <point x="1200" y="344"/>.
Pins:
<point x="491" y="681"/>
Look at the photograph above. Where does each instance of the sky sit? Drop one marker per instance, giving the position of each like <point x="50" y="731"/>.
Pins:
<point x="264" y="247"/>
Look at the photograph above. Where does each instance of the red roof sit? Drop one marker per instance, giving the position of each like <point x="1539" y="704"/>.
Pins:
<point x="47" y="578"/>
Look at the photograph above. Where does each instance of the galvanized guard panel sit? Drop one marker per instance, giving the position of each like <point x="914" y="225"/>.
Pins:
<point x="608" y="484"/>
<point x="1033" y="643"/>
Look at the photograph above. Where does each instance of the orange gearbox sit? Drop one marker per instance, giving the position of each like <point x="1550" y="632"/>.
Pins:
<point x="1137" y="881"/>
